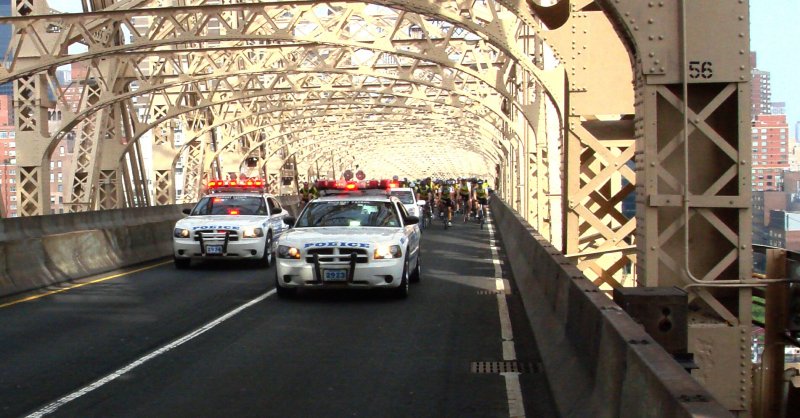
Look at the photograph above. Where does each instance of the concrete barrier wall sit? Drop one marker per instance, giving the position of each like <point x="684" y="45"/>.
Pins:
<point x="41" y="251"/>
<point x="599" y="362"/>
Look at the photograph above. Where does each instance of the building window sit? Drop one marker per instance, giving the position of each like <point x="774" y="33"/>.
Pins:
<point x="60" y="163"/>
<point x="61" y="150"/>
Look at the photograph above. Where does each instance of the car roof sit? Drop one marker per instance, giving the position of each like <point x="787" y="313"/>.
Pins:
<point x="356" y="196"/>
<point x="238" y="194"/>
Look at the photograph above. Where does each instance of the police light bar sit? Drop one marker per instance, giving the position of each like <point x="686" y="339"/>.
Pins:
<point x="248" y="185"/>
<point x="340" y="185"/>
<point x="346" y="186"/>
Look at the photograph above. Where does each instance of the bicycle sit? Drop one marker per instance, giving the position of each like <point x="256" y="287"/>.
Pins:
<point x="427" y="214"/>
<point x="425" y="219"/>
<point x="443" y="214"/>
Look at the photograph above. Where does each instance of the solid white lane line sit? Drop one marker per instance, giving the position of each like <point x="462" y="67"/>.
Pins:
<point x="516" y="408"/>
<point x="516" y="404"/>
<point x="52" y="407"/>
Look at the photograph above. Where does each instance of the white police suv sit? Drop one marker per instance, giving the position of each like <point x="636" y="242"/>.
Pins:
<point x="236" y="220"/>
<point x="355" y="236"/>
<point x="407" y="197"/>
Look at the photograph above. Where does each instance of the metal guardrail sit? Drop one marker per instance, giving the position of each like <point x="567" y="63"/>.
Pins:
<point x="780" y="301"/>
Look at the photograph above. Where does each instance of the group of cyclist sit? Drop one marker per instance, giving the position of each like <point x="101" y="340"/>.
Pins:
<point x="466" y="196"/>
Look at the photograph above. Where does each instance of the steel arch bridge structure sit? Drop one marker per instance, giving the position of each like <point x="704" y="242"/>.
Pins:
<point x="569" y="106"/>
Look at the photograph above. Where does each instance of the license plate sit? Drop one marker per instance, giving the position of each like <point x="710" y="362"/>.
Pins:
<point x="334" y="275"/>
<point x="214" y="249"/>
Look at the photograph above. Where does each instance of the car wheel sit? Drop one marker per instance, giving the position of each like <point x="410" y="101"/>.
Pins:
<point x="266" y="259"/>
<point x="182" y="263"/>
<point x="401" y="292"/>
<point x="283" y="292"/>
<point x="417" y="273"/>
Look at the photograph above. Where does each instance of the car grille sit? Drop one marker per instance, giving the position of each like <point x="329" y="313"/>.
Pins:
<point x="206" y="235"/>
<point x="337" y="255"/>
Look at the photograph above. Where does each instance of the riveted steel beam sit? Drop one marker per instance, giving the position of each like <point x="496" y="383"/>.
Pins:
<point x="691" y="70"/>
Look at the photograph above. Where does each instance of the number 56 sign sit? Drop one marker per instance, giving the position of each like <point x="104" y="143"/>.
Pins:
<point x="701" y="69"/>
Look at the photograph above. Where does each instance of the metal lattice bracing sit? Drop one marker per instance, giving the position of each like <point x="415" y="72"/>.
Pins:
<point x="573" y="112"/>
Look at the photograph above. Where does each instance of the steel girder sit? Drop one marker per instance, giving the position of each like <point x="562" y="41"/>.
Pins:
<point x="497" y="53"/>
<point x="68" y="30"/>
<point x="692" y="131"/>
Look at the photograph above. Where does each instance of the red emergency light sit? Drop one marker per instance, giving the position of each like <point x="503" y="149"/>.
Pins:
<point x="351" y="186"/>
<point x="237" y="186"/>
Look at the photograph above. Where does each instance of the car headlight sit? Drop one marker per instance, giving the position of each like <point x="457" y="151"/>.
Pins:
<point x="252" y="233"/>
<point x="181" y="233"/>
<point x="285" y="251"/>
<point x="388" y="251"/>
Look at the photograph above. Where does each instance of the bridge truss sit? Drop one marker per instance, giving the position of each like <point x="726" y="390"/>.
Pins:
<point x="571" y="109"/>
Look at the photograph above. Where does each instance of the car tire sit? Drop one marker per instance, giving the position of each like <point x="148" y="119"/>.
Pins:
<point x="401" y="292"/>
<point x="182" y="263"/>
<point x="266" y="260"/>
<point x="283" y="292"/>
<point x="416" y="275"/>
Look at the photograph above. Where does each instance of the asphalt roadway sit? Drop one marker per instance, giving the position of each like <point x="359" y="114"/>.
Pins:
<point x="215" y="341"/>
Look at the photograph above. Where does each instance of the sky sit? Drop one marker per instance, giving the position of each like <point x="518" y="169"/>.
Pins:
<point x="774" y="29"/>
<point x="774" y="33"/>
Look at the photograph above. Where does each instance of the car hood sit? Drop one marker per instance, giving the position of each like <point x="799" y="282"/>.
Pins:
<point x="220" y="222"/>
<point x="335" y="236"/>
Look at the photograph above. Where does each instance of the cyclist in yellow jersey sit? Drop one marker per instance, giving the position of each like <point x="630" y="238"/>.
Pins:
<point x="464" y="196"/>
<point x="446" y="200"/>
<point x="482" y="197"/>
<point x="424" y="192"/>
<point x="307" y="194"/>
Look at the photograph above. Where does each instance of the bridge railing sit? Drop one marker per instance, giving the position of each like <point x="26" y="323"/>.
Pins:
<point x="41" y="251"/>
<point x="598" y="361"/>
<point x="776" y="376"/>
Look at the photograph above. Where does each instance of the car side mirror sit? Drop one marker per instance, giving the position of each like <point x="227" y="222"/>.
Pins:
<point x="187" y="211"/>
<point x="289" y="220"/>
<point x="421" y="202"/>
<point x="412" y="220"/>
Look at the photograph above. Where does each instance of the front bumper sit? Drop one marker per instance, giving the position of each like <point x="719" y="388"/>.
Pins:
<point x="242" y="249"/>
<point x="371" y="275"/>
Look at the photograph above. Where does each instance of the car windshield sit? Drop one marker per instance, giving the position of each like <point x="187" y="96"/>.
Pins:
<point x="348" y="213"/>
<point x="230" y="205"/>
<point x="405" y="196"/>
